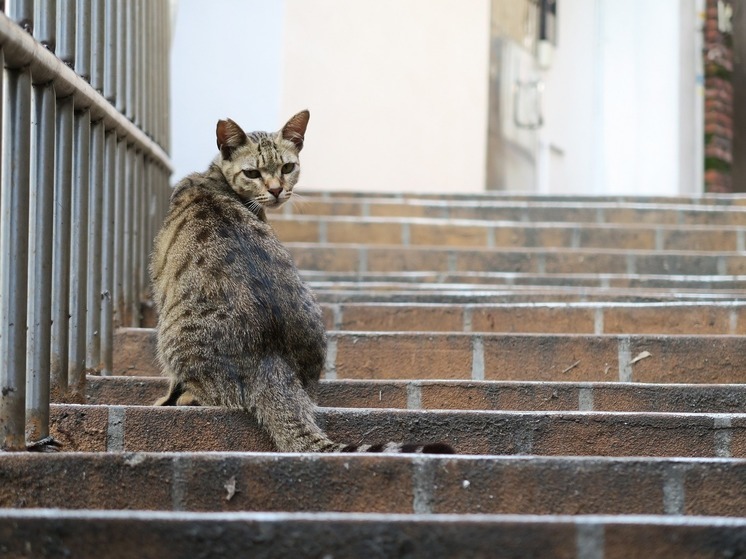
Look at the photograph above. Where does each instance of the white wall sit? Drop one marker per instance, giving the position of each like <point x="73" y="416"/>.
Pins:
<point x="397" y="92"/>
<point x="618" y="98"/>
<point x="225" y="62"/>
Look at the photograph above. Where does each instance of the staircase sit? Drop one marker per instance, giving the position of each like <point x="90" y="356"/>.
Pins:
<point x="585" y="356"/>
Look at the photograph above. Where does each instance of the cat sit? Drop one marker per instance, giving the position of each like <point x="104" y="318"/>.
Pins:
<point x="237" y="326"/>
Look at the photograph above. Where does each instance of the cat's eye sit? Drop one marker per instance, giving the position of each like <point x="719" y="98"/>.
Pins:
<point x="252" y="173"/>
<point x="288" y="168"/>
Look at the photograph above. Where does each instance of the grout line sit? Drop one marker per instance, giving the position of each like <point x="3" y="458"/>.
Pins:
<point x="541" y="264"/>
<point x="575" y="238"/>
<point x="365" y="209"/>
<point x="589" y="540"/>
<point x="625" y="356"/>
<point x="330" y="368"/>
<point x="477" y="358"/>
<point x="337" y="316"/>
<point x="406" y="234"/>
<point x="733" y="321"/>
<point x="631" y="264"/>
<point x="673" y="490"/>
<point x="423" y="481"/>
<point x="723" y="436"/>
<point x="362" y="259"/>
<point x="659" y="239"/>
<point x="722" y="266"/>
<point x="598" y="321"/>
<point x="740" y="240"/>
<point x="585" y="399"/>
<point x="179" y="467"/>
<point x="323" y="232"/>
<point x="490" y="237"/>
<point x="414" y="395"/>
<point x="467" y="314"/>
<point x="115" y="429"/>
<point x="452" y="261"/>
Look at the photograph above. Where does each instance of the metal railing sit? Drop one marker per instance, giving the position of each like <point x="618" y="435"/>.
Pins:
<point x="83" y="185"/>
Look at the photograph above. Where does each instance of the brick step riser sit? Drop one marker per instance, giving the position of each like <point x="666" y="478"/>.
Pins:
<point x="539" y="212"/>
<point x="192" y="429"/>
<point x="345" y="483"/>
<point x="363" y="259"/>
<point x="122" y="534"/>
<point x="519" y="357"/>
<point x="708" y="319"/>
<point x="621" y="397"/>
<point x="466" y="233"/>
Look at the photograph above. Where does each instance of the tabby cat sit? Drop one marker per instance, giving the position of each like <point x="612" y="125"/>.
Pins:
<point x="237" y="327"/>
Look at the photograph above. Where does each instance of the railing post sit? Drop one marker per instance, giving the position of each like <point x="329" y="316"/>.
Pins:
<point x="61" y="254"/>
<point x="107" y="264"/>
<point x="78" y="241"/>
<point x="14" y="220"/>
<point x="40" y="262"/>
<point x="93" y="264"/>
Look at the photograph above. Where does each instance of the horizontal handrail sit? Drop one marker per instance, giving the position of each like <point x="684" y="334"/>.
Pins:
<point x="22" y="50"/>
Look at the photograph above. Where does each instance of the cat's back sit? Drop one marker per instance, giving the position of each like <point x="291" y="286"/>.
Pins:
<point x="214" y="254"/>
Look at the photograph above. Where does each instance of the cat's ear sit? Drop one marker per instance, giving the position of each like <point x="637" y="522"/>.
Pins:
<point x="295" y="129"/>
<point x="229" y="136"/>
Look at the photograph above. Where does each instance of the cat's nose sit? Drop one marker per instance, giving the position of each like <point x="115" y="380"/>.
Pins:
<point x="275" y="192"/>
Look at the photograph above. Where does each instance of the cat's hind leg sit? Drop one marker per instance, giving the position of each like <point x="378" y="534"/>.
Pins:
<point x="177" y="396"/>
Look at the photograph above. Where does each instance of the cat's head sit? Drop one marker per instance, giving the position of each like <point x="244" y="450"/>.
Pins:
<point x="262" y="167"/>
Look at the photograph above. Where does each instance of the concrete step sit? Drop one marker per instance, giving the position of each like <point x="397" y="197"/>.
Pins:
<point x="469" y="356"/>
<point x="568" y="318"/>
<point x="391" y="292"/>
<point x="232" y="482"/>
<point x="493" y="234"/>
<point x="191" y="429"/>
<point x="735" y="199"/>
<point x="529" y="211"/>
<point x="396" y="258"/>
<point x="472" y="395"/>
<point x="507" y="280"/>
<point x="124" y="534"/>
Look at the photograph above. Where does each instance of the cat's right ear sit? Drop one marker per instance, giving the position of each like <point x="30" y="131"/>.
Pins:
<point x="229" y="137"/>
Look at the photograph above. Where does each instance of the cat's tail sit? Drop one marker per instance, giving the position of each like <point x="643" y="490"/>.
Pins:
<point x="431" y="448"/>
<point x="286" y="411"/>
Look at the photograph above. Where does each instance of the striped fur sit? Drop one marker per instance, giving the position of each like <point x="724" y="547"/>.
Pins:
<point x="237" y="327"/>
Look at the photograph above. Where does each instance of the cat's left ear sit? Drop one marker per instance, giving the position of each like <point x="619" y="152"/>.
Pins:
<point x="229" y="137"/>
<point x="295" y="129"/>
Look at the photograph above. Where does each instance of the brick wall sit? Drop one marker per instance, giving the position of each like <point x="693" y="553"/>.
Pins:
<point x="719" y="95"/>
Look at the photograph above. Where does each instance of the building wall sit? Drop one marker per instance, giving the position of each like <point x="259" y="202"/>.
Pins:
<point x="397" y="92"/>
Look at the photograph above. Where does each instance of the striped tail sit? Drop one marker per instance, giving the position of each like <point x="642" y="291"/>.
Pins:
<point x="431" y="448"/>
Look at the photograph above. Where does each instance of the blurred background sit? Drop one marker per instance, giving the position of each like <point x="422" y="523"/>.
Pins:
<point x="545" y="96"/>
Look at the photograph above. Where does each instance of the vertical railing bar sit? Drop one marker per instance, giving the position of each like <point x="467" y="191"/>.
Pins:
<point x="41" y="197"/>
<point x="137" y="197"/>
<point x="119" y="219"/>
<point x="93" y="268"/>
<point x="83" y="39"/>
<point x="22" y="12"/>
<point x="128" y="219"/>
<point x="79" y="254"/>
<point x="66" y="36"/>
<point x="98" y="52"/>
<point x="107" y="245"/>
<point x="121" y="56"/>
<point x="61" y="252"/>
<point x="14" y="219"/>
<point x="130" y="60"/>
<point x="45" y="22"/>
<point x="111" y="53"/>
<point x="140" y="83"/>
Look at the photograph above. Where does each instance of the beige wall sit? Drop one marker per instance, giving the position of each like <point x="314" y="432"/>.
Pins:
<point x="397" y="92"/>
